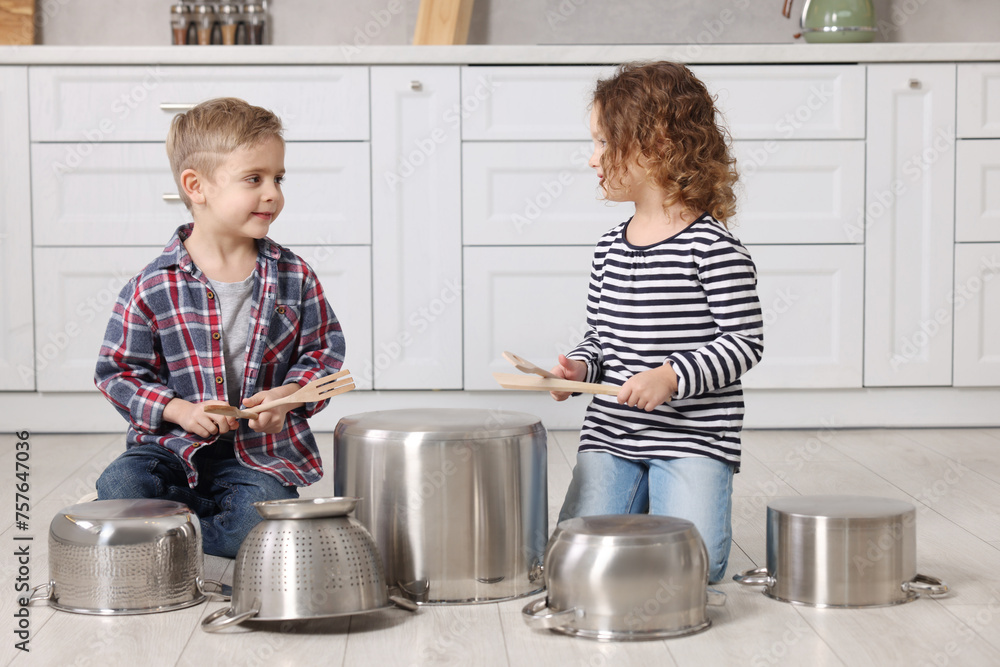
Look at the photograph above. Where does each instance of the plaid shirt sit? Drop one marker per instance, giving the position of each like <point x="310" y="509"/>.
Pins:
<point x="164" y="341"/>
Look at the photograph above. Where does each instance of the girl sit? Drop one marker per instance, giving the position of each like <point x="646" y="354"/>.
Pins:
<point x="672" y="312"/>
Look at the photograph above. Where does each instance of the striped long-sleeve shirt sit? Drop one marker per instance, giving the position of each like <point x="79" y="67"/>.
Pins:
<point x="690" y="300"/>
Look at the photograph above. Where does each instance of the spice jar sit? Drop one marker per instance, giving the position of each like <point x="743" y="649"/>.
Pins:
<point x="180" y="20"/>
<point x="204" y="18"/>
<point x="229" y="18"/>
<point x="256" y="21"/>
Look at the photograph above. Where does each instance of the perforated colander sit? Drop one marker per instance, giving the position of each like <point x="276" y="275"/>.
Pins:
<point x="322" y="563"/>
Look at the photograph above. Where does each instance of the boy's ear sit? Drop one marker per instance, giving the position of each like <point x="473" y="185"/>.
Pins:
<point x="192" y="183"/>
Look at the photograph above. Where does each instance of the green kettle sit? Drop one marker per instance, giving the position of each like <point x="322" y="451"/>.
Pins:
<point x="838" y="21"/>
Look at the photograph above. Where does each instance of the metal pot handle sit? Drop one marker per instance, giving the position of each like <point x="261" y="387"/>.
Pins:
<point x="220" y="618"/>
<point x="554" y="619"/>
<point x="923" y="584"/>
<point x="224" y="592"/>
<point x="755" y="577"/>
<point x="50" y="589"/>
<point x="403" y="602"/>
<point x="716" y="598"/>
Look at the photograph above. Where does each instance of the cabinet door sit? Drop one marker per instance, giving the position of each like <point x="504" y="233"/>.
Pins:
<point x="909" y="207"/>
<point x="345" y="272"/>
<point x="75" y="290"/>
<point x="17" y="367"/>
<point x="801" y="191"/>
<point x="416" y="228"/>
<point x="530" y="301"/>
<point x="531" y="193"/>
<point x="124" y="194"/>
<point x="811" y="299"/>
<point x="979" y="100"/>
<point x="977" y="315"/>
<point x="977" y="190"/>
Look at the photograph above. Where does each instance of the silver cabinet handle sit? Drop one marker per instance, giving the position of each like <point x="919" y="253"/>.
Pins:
<point x="915" y="84"/>
<point x="416" y="85"/>
<point x="176" y="106"/>
<point x="170" y="196"/>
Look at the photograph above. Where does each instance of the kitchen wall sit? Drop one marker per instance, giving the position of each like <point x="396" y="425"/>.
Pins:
<point x="362" y="22"/>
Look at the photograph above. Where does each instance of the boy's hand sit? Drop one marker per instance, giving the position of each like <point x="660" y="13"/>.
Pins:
<point x="193" y="419"/>
<point x="568" y="369"/>
<point x="273" y="420"/>
<point x="648" y="389"/>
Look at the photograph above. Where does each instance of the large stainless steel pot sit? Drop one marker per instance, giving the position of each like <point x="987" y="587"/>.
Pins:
<point x="455" y="499"/>
<point x="116" y="557"/>
<point x="841" y="551"/>
<point x="306" y="559"/>
<point x="625" y="578"/>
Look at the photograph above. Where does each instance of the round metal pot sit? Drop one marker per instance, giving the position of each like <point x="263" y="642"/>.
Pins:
<point x="455" y="499"/>
<point x="625" y="578"/>
<point x="306" y="559"/>
<point x="842" y="551"/>
<point x="116" y="557"/>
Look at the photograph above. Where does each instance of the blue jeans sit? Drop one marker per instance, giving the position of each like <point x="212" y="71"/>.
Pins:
<point x="698" y="489"/>
<point x="223" y="499"/>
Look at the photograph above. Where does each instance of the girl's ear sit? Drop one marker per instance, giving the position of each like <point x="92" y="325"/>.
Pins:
<point x="192" y="184"/>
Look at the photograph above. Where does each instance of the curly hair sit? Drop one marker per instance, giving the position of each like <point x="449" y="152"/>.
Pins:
<point x="663" y="115"/>
<point x="202" y="137"/>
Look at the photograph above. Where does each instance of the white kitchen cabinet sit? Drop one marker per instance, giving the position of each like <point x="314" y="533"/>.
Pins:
<point x="977" y="190"/>
<point x="345" y="272"/>
<point x="811" y="300"/>
<point x="909" y="224"/>
<point x="800" y="191"/>
<point x="75" y="290"/>
<point x="976" y="303"/>
<point x="124" y="194"/>
<point x="416" y="228"/>
<point x="529" y="300"/>
<point x="530" y="193"/>
<point x="17" y="366"/>
<point x="93" y="104"/>
<point x="979" y="100"/>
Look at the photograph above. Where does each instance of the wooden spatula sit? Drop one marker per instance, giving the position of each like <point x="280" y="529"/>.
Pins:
<point x="319" y="389"/>
<point x="526" y="366"/>
<point x="512" y="381"/>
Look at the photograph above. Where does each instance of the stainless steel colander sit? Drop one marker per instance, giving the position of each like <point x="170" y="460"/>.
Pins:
<point x="306" y="559"/>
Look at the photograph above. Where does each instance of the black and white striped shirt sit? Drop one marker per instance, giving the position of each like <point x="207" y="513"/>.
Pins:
<point x="691" y="300"/>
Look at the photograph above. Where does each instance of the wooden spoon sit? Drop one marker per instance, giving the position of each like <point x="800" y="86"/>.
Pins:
<point x="319" y="389"/>
<point x="526" y="366"/>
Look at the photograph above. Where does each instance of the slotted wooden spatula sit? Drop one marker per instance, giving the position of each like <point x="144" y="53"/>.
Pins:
<point x="319" y="389"/>
<point x="525" y="366"/>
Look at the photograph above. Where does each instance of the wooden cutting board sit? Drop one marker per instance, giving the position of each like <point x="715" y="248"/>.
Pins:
<point x="17" y="21"/>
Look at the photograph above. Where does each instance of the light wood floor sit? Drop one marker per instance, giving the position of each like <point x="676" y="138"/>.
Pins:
<point x="952" y="476"/>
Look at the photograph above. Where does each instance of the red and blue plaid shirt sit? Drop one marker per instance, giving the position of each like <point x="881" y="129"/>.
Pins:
<point x="164" y="341"/>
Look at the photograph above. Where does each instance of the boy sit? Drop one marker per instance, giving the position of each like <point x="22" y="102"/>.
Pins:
<point x="223" y="316"/>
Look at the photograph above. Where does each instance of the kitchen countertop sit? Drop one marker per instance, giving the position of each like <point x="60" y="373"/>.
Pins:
<point x="351" y="54"/>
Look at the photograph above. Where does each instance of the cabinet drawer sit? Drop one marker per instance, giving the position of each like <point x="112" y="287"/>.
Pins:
<point x="976" y="302"/>
<point x="977" y="190"/>
<point x="812" y="302"/>
<point x="789" y="101"/>
<point x="979" y="100"/>
<point x="113" y="194"/>
<point x="530" y="193"/>
<point x="801" y="191"/>
<point x="95" y="104"/>
<point x="531" y="301"/>
<point x="527" y="102"/>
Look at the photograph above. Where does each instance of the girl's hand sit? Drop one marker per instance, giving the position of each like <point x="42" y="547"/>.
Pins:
<point x="568" y="369"/>
<point x="649" y="389"/>
<point x="193" y="419"/>
<point x="273" y="420"/>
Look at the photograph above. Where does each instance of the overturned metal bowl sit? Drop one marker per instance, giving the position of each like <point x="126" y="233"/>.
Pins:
<point x="117" y="557"/>
<point x="307" y="559"/>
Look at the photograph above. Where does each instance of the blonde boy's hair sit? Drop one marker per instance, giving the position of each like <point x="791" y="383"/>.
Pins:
<point x="201" y="138"/>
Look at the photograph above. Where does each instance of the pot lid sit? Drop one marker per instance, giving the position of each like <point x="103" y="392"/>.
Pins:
<point x="625" y="529"/>
<point x="434" y="424"/>
<point x="840" y="507"/>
